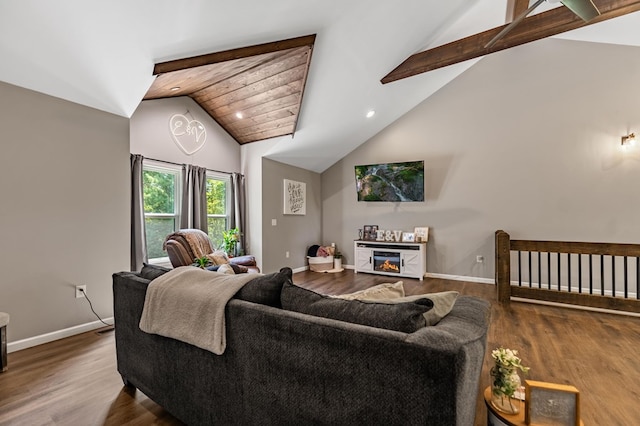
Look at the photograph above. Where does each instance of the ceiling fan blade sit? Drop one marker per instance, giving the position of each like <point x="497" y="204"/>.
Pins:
<point x="585" y="9"/>
<point x="513" y="23"/>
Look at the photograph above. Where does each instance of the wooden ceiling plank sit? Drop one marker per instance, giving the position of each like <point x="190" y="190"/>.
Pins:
<point x="255" y="137"/>
<point x="260" y="98"/>
<point x="228" y="55"/>
<point x="238" y="124"/>
<point x="265" y="127"/>
<point x="258" y="73"/>
<point x="288" y="101"/>
<point x="535" y="27"/>
<point x="289" y="77"/>
<point x="304" y="86"/>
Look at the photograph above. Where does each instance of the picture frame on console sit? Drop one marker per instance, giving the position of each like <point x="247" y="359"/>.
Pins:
<point x="421" y="234"/>
<point x="369" y="232"/>
<point x="408" y="237"/>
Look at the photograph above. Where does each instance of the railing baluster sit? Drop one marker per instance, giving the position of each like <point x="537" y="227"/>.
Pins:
<point x="549" y="270"/>
<point x="590" y="274"/>
<point x="530" y="280"/>
<point x="539" y="270"/>
<point x="569" y="272"/>
<point x="626" y="288"/>
<point x="579" y="273"/>
<point x="602" y="274"/>
<point x="559" y="280"/>
<point x="519" y="270"/>
<point x="613" y="276"/>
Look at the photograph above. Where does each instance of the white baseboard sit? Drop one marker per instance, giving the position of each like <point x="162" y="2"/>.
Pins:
<point x="429" y="275"/>
<point x="55" y="335"/>
<point x="461" y="278"/>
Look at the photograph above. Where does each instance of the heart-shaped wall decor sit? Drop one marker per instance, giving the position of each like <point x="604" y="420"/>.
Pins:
<point x="189" y="135"/>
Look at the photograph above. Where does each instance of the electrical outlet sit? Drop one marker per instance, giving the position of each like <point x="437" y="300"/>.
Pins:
<point x="286" y="254"/>
<point x="80" y="291"/>
<point x="479" y="259"/>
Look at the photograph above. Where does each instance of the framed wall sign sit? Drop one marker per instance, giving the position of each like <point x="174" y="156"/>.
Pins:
<point x="295" y="197"/>
<point x="551" y="404"/>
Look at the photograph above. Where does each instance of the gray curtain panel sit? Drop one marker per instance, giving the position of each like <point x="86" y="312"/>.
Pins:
<point x="194" y="198"/>
<point x="238" y="208"/>
<point x="138" y="240"/>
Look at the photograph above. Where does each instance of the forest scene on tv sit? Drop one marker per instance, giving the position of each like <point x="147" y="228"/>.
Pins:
<point x="391" y="181"/>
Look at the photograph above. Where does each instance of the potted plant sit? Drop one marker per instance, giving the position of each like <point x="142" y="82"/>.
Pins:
<point x="202" y="262"/>
<point x="337" y="260"/>
<point x="230" y="240"/>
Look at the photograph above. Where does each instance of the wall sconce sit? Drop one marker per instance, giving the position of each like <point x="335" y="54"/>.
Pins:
<point x="629" y="140"/>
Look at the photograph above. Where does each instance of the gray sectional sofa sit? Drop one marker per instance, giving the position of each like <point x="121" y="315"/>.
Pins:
<point x="282" y="367"/>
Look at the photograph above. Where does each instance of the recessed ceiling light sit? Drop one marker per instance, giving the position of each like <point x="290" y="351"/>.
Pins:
<point x="239" y="114"/>
<point x="371" y="113"/>
<point x="173" y="89"/>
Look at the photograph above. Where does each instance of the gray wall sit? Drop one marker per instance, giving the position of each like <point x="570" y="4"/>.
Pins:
<point x="528" y="141"/>
<point x="64" y="216"/>
<point x="293" y="233"/>
<point x="150" y="135"/>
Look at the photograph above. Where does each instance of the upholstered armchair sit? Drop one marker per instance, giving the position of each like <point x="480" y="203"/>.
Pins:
<point x="185" y="245"/>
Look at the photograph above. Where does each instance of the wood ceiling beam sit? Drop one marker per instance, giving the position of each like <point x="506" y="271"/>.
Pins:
<point x="535" y="27"/>
<point x="228" y="55"/>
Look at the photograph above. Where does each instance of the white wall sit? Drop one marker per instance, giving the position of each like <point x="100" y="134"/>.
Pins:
<point x="526" y="141"/>
<point x="64" y="215"/>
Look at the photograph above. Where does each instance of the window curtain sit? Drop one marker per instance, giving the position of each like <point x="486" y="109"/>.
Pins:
<point x="194" y="198"/>
<point x="238" y="206"/>
<point x="138" y="241"/>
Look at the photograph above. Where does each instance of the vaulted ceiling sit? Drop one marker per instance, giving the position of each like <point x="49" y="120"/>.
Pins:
<point x="104" y="55"/>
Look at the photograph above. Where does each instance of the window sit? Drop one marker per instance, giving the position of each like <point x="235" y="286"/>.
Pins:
<point x="217" y="207"/>
<point x="161" y="190"/>
<point x="162" y="201"/>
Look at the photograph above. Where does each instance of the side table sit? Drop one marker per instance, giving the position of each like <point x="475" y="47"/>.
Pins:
<point x="498" y="418"/>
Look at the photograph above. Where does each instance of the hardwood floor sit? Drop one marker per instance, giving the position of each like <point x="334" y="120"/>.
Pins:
<point x="74" y="381"/>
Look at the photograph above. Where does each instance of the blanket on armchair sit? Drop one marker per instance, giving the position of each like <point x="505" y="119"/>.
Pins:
<point x="188" y="304"/>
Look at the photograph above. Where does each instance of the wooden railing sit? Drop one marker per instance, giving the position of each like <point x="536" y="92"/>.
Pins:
<point x="596" y="275"/>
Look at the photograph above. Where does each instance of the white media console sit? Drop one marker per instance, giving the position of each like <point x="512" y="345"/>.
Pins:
<point x="391" y="258"/>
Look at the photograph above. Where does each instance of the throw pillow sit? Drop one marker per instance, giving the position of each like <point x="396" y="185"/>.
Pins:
<point x="226" y="269"/>
<point x="265" y="289"/>
<point x="443" y="302"/>
<point x="218" y="257"/>
<point x="405" y="317"/>
<point x="380" y="291"/>
<point x="151" y="272"/>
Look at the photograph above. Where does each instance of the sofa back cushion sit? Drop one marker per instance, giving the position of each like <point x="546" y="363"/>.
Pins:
<point x="266" y="289"/>
<point x="151" y="272"/>
<point x="405" y="317"/>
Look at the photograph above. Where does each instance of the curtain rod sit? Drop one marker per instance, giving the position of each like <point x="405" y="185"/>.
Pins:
<point x="178" y="164"/>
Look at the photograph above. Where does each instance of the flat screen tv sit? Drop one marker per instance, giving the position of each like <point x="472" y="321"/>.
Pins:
<point x="390" y="181"/>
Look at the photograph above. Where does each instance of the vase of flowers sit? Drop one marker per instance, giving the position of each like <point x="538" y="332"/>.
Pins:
<point x="505" y="380"/>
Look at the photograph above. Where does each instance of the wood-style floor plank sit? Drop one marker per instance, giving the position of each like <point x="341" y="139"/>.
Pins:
<point x="74" y="381"/>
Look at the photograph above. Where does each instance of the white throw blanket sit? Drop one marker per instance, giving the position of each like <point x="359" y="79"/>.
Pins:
<point x="188" y="304"/>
